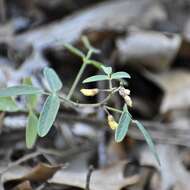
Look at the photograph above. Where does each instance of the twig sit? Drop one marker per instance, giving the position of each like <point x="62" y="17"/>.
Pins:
<point x="21" y="160"/>
<point x="90" y="170"/>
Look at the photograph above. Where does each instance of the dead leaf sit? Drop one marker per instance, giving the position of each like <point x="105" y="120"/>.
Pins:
<point x="40" y="173"/>
<point x="110" y="178"/>
<point x="24" y="186"/>
<point x="154" y="50"/>
<point x="176" y="84"/>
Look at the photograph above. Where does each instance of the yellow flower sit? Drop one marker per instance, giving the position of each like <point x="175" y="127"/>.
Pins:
<point x="89" y="92"/>
<point x="128" y="101"/>
<point x="111" y="122"/>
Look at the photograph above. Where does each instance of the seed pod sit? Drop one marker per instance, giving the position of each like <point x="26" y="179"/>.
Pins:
<point x="128" y="101"/>
<point x="111" y="122"/>
<point x="89" y="92"/>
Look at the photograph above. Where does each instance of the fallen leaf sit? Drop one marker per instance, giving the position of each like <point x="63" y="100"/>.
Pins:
<point x="110" y="178"/>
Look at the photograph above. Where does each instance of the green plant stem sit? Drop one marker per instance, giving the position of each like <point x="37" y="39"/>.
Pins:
<point x="113" y="109"/>
<point x="76" y="81"/>
<point x="79" y="75"/>
<point x="95" y="105"/>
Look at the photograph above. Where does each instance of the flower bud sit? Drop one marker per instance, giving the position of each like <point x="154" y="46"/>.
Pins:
<point x="128" y="101"/>
<point x="124" y="92"/>
<point x="111" y="122"/>
<point x="89" y="92"/>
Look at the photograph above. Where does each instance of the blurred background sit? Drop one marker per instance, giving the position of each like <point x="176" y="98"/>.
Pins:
<point x="149" y="39"/>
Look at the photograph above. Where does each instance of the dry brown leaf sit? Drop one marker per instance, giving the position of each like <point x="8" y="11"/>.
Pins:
<point x="39" y="173"/>
<point x="24" y="186"/>
<point x="110" y="178"/>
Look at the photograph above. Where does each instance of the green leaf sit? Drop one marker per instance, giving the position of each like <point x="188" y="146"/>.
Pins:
<point x="96" y="78"/>
<point x="120" y="75"/>
<point x="8" y="104"/>
<point x="123" y="125"/>
<point x="53" y="79"/>
<point x="148" y="140"/>
<point x="74" y="50"/>
<point x="94" y="63"/>
<point x="48" y="114"/>
<point x="31" y="99"/>
<point x="107" y="70"/>
<point x="31" y="130"/>
<point x="19" y="90"/>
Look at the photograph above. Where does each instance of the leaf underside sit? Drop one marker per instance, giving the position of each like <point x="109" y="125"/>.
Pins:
<point x="96" y="78"/>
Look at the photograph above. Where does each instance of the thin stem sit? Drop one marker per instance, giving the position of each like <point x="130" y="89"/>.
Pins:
<point x="95" y="105"/>
<point x="113" y="109"/>
<point x="79" y="75"/>
<point x="110" y="83"/>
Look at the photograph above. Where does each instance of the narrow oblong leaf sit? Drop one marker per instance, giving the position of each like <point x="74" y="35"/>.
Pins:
<point x="31" y="130"/>
<point x="120" y="75"/>
<point x="53" y="79"/>
<point x="107" y="70"/>
<point x="8" y="104"/>
<point x="30" y="99"/>
<point x="123" y="126"/>
<point x="148" y="140"/>
<point x="96" y="78"/>
<point x="48" y="115"/>
<point x="19" y="90"/>
<point x="74" y="50"/>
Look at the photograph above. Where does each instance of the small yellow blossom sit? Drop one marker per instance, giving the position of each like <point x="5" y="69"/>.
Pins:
<point x="89" y="92"/>
<point x="111" y="122"/>
<point x="128" y="101"/>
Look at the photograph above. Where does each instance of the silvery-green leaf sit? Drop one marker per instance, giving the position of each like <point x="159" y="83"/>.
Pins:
<point x="74" y="50"/>
<point x="8" y="104"/>
<point x="120" y="75"/>
<point x="96" y="78"/>
<point x="123" y="125"/>
<point x="148" y="139"/>
<point x="48" y="114"/>
<point x="53" y="79"/>
<point x="107" y="70"/>
<point x="31" y="99"/>
<point x="19" y="90"/>
<point x="31" y="130"/>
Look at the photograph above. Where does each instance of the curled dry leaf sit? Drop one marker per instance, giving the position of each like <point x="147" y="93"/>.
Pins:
<point x="110" y="178"/>
<point x="40" y="173"/>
